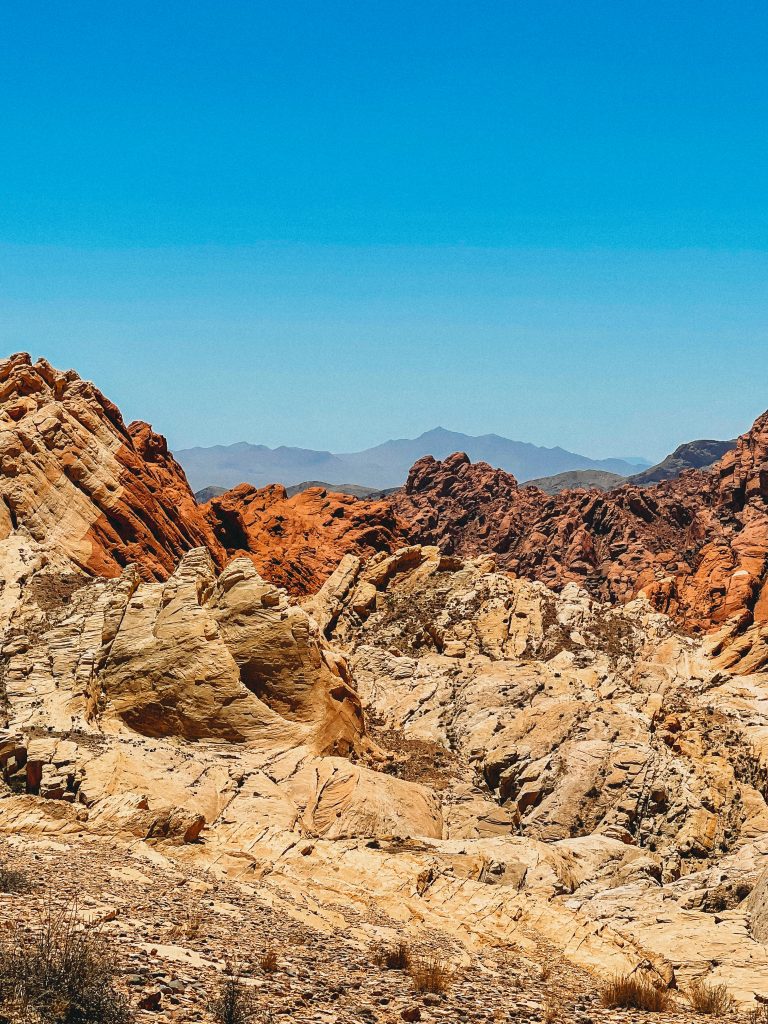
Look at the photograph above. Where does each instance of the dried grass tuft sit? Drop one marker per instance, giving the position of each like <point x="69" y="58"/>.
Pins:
<point x="268" y="960"/>
<point x="710" y="999"/>
<point x="395" y="957"/>
<point x="60" y="974"/>
<point x="634" y="993"/>
<point x="431" y="974"/>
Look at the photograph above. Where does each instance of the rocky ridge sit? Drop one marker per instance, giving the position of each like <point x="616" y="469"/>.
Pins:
<point x="590" y="479"/>
<point x="695" y="546"/>
<point x="692" y="455"/>
<point x="296" y="541"/>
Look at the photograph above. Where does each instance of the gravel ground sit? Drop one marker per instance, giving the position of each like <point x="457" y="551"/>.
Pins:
<point x="174" y="931"/>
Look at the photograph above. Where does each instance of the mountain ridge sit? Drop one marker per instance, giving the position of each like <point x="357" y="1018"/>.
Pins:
<point x="381" y="466"/>
<point x="699" y="454"/>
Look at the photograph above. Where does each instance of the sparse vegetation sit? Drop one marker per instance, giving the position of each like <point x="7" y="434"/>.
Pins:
<point x="711" y="999"/>
<point x="395" y="957"/>
<point x="430" y="974"/>
<point x="758" y="1014"/>
<point x="60" y="974"/>
<point x="190" y="926"/>
<point x="233" y="1003"/>
<point x="551" y="1011"/>
<point x="268" y="960"/>
<point x="12" y="880"/>
<point x="634" y="993"/>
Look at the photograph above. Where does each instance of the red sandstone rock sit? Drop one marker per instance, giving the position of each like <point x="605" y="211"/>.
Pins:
<point x="79" y="481"/>
<point x="103" y="494"/>
<point x="297" y="542"/>
<point x="697" y="546"/>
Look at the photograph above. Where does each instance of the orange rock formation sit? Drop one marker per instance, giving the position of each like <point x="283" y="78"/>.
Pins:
<point x="80" y="481"/>
<point x="297" y="542"/>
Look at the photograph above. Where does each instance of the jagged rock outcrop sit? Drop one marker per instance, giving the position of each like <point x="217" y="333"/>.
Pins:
<point x="616" y="544"/>
<point x="296" y="542"/>
<point x="84" y="485"/>
<point x="580" y="718"/>
<point x="199" y="656"/>
<point x="156" y="705"/>
<point x="599" y="734"/>
<point x="696" y="546"/>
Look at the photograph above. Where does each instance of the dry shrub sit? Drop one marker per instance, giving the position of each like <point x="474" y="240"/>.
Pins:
<point x="551" y="1010"/>
<point x="193" y="922"/>
<point x="395" y="957"/>
<point x="635" y="993"/>
<point x="190" y="926"/>
<point x="233" y="1003"/>
<point x="758" y="1014"/>
<point x="430" y="974"/>
<point x="60" y="974"/>
<point x="13" y="881"/>
<point x="713" y="999"/>
<point x="268" y="960"/>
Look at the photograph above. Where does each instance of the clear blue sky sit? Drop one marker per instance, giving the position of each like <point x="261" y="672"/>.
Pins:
<point x="327" y="223"/>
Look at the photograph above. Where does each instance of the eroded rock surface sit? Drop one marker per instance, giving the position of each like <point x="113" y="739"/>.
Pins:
<point x="695" y="546"/>
<point x="434" y="745"/>
<point x="474" y="755"/>
<point x="109" y="692"/>
<point x="297" y="542"/>
<point x="601" y="735"/>
<point x="84" y="485"/>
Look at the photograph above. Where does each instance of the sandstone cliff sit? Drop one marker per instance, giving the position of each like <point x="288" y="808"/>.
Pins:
<point x="83" y="484"/>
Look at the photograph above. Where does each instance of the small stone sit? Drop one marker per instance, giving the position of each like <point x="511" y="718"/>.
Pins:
<point x="151" y="1000"/>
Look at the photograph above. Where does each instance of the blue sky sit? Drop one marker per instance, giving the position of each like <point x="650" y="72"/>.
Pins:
<point x="330" y="223"/>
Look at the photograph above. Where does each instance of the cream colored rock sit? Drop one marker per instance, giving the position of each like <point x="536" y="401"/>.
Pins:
<point x="516" y="766"/>
<point x="103" y="691"/>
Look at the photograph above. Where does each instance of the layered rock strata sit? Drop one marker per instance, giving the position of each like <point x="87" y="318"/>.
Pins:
<point x="84" y="485"/>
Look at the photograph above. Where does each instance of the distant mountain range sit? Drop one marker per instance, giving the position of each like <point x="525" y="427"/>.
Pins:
<point x="386" y="465"/>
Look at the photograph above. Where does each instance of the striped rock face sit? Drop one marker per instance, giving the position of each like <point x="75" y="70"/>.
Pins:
<point x="84" y="485"/>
